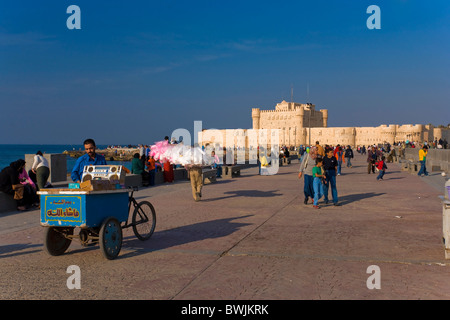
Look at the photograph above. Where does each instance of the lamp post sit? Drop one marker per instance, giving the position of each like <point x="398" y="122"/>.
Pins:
<point x="295" y="136"/>
<point x="289" y="137"/>
<point x="309" y="123"/>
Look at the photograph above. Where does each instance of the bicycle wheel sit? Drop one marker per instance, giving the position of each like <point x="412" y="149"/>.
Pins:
<point x="144" y="220"/>
<point x="110" y="238"/>
<point x="55" y="240"/>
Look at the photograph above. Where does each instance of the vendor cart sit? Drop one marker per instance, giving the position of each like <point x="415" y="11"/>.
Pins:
<point x="100" y="216"/>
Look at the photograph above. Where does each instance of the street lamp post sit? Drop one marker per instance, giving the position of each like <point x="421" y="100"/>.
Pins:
<point x="309" y="123"/>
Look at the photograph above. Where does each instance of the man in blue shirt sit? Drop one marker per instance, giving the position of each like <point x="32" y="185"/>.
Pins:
<point x="329" y="165"/>
<point x="90" y="158"/>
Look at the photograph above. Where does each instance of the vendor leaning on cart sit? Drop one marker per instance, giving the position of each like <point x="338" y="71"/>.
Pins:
<point x="90" y="158"/>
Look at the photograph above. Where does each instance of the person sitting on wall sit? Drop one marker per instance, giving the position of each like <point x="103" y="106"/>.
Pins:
<point x="137" y="167"/>
<point x="217" y="165"/>
<point x="30" y="186"/>
<point x="10" y="184"/>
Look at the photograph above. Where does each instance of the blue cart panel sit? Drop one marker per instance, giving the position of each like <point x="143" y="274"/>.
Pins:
<point x="83" y="210"/>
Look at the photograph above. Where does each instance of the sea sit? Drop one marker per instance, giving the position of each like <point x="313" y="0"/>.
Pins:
<point x="13" y="152"/>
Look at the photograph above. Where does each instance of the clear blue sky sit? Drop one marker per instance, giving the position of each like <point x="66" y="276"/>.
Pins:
<point x="138" y="70"/>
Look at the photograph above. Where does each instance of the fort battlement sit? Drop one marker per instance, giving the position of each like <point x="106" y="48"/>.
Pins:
<point x="301" y="123"/>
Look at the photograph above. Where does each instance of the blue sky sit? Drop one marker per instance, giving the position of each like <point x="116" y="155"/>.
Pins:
<point x="138" y="70"/>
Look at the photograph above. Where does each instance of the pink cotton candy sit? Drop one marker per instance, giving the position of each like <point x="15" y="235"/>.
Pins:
<point x="179" y="154"/>
<point x="158" y="149"/>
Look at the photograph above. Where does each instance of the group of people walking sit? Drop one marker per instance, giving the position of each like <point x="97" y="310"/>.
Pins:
<point x="376" y="162"/>
<point x="319" y="168"/>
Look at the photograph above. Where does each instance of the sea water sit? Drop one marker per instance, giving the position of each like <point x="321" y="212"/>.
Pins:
<point x="13" y="152"/>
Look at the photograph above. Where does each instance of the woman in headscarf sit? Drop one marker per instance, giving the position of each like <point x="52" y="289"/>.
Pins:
<point x="10" y="184"/>
<point x="30" y="187"/>
<point x="306" y="166"/>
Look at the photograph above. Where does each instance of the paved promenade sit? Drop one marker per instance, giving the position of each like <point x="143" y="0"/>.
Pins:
<point x="252" y="238"/>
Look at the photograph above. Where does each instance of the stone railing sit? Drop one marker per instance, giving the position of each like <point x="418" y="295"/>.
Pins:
<point x="437" y="159"/>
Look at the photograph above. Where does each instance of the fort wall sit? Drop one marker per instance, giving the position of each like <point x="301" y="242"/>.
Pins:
<point x="301" y="124"/>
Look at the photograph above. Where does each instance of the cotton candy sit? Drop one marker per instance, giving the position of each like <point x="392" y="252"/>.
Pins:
<point x="179" y="154"/>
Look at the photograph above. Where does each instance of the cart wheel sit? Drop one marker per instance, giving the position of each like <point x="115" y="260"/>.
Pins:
<point x="55" y="241"/>
<point x="144" y="220"/>
<point x="111" y="238"/>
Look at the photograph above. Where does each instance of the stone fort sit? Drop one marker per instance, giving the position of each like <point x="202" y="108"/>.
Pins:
<point x="301" y="124"/>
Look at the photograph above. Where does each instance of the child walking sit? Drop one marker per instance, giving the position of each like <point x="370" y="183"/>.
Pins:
<point x="381" y="165"/>
<point x="318" y="175"/>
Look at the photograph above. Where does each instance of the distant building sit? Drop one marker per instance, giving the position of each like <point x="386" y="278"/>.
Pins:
<point x="292" y="119"/>
<point x="301" y="124"/>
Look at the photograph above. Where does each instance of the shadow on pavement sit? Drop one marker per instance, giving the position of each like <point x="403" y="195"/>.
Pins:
<point x="343" y="200"/>
<point x="246" y="193"/>
<point x="182" y="235"/>
<point x="10" y="249"/>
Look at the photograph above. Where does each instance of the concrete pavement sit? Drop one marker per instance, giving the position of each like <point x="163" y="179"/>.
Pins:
<point x="252" y="238"/>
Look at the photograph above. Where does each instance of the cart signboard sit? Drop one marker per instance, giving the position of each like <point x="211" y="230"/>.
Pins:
<point x="62" y="210"/>
<point x="99" y="215"/>
<point x="82" y="208"/>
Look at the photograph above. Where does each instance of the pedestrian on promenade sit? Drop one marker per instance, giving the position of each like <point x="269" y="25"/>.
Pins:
<point x="423" y="159"/>
<point x="301" y="152"/>
<point x="263" y="162"/>
<point x="41" y="169"/>
<point x="339" y="154"/>
<point x="90" y="158"/>
<point x="147" y="152"/>
<point x="318" y="175"/>
<point x="320" y="150"/>
<point x="372" y="157"/>
<point x="195" y="175"/>
<point x="151" y="167"/>
<point x="349" y="156"/>
<point x="168" y="168"/>
<point x="306" y="166"/>
<point x="381" y="165"/>
<point x="329" y="166"/>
